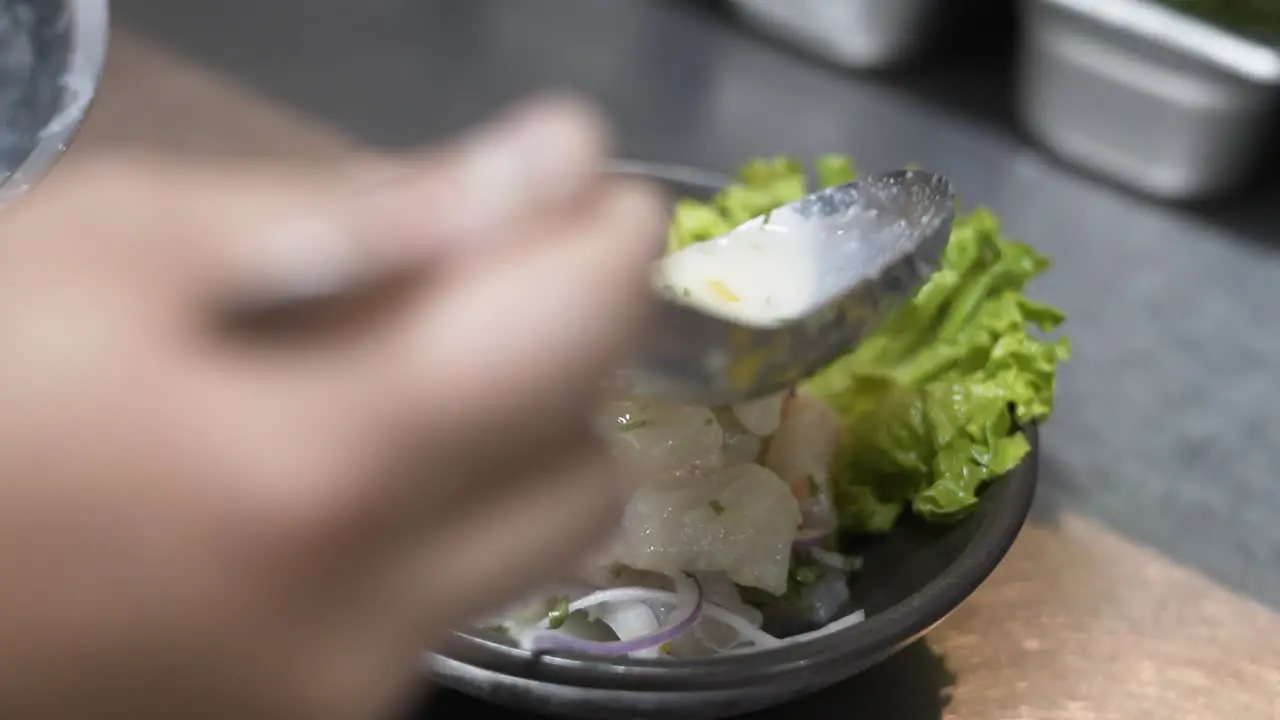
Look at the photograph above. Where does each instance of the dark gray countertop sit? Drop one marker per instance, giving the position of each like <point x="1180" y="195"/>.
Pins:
<point x="1168" y="427"/>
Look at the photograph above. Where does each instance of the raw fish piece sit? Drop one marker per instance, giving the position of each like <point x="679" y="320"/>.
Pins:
<point x="804" y="444"/>
<point x="655" y="441"/>
<point x="740" y="521"/>
<point x="762" y="416"/>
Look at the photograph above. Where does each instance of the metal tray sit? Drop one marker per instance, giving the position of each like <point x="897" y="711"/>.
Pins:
<point x="1147" y="96"/>
<point x="853" y="34"/>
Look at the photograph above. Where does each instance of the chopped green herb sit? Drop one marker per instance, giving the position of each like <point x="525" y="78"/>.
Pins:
<point x="804" y="575"/>
<point x="716" y="507"/>
<point x="628" y="424"/>
<point x="559" y="614"/>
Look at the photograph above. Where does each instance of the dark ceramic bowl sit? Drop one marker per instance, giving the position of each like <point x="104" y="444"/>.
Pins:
<point x="51" y="58"/>
<point x="911" y="580"/>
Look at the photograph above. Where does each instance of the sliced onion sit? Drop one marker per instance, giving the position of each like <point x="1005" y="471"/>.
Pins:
<point x="742" y="625"/>
<point x="689" y="608"/>
<point x="835" y="560"/>
<point x="752" y="637"/>
<point x="847" y="621"/>
<point x="719" y="590"/>
<point x="808" y="539"/>
<point x="630" y="621"/>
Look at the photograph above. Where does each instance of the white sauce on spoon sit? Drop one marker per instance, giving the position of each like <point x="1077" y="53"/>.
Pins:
<point x="761" y="274"/>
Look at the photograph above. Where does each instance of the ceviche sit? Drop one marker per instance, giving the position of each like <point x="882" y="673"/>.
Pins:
<point x="734" y="530"/>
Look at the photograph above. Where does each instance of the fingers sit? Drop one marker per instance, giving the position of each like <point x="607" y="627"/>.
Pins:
<point x="495" y="367"/>
<point x="264" y="229"/>
<point x="544" y="154"/>
<point x="497" y="362"/>
<point x="541" y="156"/>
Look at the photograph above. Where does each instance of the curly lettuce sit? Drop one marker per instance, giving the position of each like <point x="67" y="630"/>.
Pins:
<point x="933" y="402"/>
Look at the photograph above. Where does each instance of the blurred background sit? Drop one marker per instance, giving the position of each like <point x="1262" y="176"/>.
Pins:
<point x="1133" y="142"/>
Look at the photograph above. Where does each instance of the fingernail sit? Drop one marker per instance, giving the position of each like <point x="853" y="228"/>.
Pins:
<point x="309" y="257"/>
<point x="544" y="154"/>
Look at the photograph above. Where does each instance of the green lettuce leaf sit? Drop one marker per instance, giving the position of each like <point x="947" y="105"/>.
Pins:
<point x="835" y="170"/>
<point x="932" y="402"/>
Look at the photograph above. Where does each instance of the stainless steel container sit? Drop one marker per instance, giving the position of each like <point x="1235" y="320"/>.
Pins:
<point x="51" y="57"/>
<point x="1154" y="99"/>
<point x="853" y="34"/>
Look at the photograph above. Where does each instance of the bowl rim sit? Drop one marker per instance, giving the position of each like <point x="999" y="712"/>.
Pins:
<point x="881" y="634"/>
<point x="89" y="22"/>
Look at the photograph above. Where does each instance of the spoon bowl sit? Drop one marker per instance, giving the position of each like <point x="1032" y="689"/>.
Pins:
<point x="849" y="255"/>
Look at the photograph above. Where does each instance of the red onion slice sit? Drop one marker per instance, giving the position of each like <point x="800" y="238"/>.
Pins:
<point x="686" y="618"/>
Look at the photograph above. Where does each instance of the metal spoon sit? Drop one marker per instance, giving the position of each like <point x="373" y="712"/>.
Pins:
<point x="871" y="245"/>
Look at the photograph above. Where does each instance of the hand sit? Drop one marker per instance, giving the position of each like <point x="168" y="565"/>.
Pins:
<point x="199" y="522"/>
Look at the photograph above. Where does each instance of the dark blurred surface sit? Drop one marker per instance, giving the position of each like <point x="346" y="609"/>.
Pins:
<point x="1167" y="426"/>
